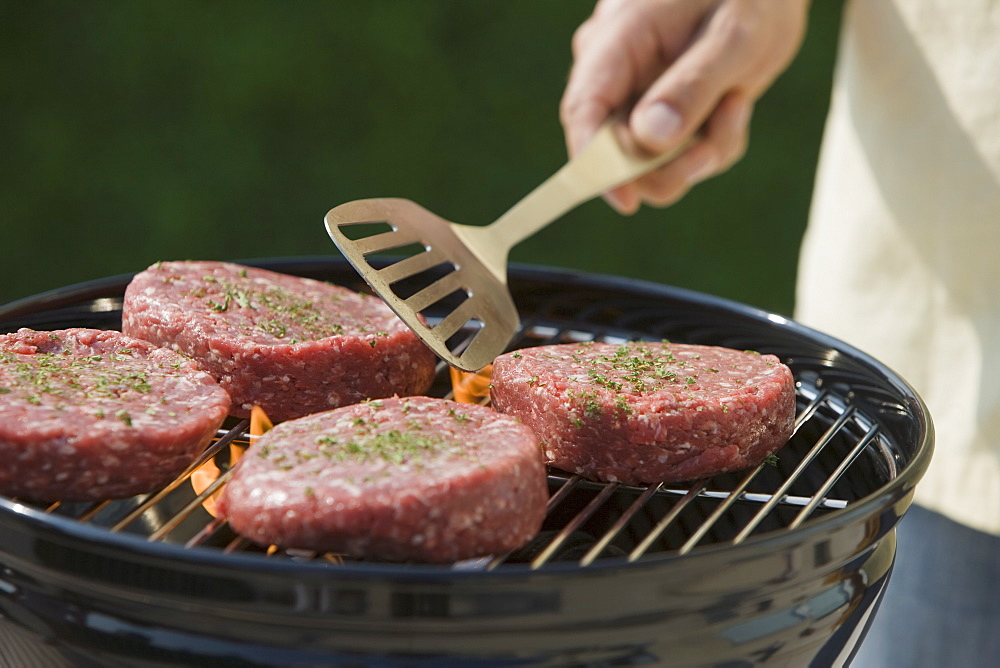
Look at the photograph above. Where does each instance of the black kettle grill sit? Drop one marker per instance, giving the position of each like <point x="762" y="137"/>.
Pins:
<point x="783" y="564"/>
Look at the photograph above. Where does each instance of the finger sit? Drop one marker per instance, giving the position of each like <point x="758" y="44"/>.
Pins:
<point x="599" y="83"/>
<point x="625" y="199"/>
<point x="722" y="142"/>
<point x="618" y="53"/>
<point x="672" y="181"/>
<point x="727" y="131"/>
<point x="682" y="98"/>
<point x="735" y="48"/>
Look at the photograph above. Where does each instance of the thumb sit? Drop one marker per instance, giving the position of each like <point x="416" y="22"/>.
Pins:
<point x="656" y="126"/>
<point x="685" y="93"/>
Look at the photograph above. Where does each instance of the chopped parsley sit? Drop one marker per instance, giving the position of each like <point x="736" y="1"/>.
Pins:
<point x="67" y="376"/>
<point x="288" y="316"/>
<point x="393" y="446"/>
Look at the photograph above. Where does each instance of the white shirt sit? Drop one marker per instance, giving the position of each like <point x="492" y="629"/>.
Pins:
<point x="902" y="254"/>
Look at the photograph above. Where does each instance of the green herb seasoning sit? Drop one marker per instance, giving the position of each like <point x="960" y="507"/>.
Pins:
<point x="274" y="328"/>
<point x="377" y="443"/>
<point x="621" y="403"/>
<point x="288" y="316"/>
<point x="64" y="375"/>
<point x="588" y="403"/>
<point x="366" y="445"/>
<point x="629" y="369"/>
<point x="637" y="367"/>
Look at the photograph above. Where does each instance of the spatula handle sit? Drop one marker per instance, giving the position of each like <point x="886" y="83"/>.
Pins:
<point x="602" y="165"/>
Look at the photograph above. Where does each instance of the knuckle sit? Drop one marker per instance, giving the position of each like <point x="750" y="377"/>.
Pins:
<point x="735" y="147"/>
<point x="666" y="198"/>
<point x="663" y="186"/>
<point x="736" y="34"/>
<point x="738" y="151"/>
<point x="581" y="37"/>
<point x="571" y="108"/>
<point x="611" y="7"/>
<point x="736" y="29"/>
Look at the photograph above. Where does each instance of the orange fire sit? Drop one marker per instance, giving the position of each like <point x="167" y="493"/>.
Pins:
<point x="471" y="387"/>
<point x="208" y="473"/>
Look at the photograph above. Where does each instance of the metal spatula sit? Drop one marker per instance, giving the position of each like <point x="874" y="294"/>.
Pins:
<point x="462" y="269"/>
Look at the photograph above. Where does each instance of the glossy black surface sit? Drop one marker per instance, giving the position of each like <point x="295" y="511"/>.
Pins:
<point x="75" y="592"/>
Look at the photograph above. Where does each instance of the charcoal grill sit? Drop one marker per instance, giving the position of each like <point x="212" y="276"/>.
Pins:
<point x="782" y="564"/>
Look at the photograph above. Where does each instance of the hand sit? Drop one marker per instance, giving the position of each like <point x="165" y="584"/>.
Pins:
<point x="677" y="67"/>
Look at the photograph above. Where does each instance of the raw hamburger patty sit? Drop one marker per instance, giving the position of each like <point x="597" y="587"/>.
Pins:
<point x="87" y="414"/>
<point x="412" y="478"/>
<point x="648" y="412"/>
<point x="291" y="345"/>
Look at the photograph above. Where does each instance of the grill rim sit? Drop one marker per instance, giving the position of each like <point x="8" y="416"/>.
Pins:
<point x="64" y="527"/>
<point x="874" y="504"/>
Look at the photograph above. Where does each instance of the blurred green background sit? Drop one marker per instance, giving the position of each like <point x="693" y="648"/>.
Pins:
<point x="141" y="131"/>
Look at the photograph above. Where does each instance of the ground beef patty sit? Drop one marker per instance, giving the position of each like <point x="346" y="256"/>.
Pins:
<point x="291" y="345"/>
<point x="648" y="412"/>
<point x="403" y="479"/>
<point x="87" y="414"/>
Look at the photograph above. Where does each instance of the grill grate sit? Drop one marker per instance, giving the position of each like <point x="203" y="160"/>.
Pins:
<point x="586" y="521"/>
<point x="856" y="429"/>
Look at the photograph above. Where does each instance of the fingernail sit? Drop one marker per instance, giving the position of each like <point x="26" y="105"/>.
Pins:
<point x="615" y="202"/>
<point x="657" y="124"/>
<point x="618" y="203"/>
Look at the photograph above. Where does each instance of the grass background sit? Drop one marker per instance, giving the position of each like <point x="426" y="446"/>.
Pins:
<point x="141" y="131"/>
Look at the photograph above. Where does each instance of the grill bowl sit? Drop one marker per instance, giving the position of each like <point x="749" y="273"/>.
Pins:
<point x="782" y="564"/>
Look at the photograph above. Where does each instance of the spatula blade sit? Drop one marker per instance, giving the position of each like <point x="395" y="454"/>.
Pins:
<point x="438" y="287"/>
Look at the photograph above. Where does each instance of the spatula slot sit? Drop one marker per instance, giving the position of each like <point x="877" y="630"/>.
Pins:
<point x="407" y="284"/>
<point x="421" y="268"/>
<point x="438" y="294"/>
<point x="446" y="305"/>
<point x="409" y="250"/>
<point x="355" y="231"/>
<point x="394" y="241"/>
<point x="463" y="338"/>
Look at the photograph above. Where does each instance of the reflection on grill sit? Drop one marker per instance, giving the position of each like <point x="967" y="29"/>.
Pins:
<point x="586" y="521"/>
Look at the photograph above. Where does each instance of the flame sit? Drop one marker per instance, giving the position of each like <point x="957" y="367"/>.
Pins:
<point x="471" y="387"/>
<point x="208" y="473"/>
<point x="260" y="424"/>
